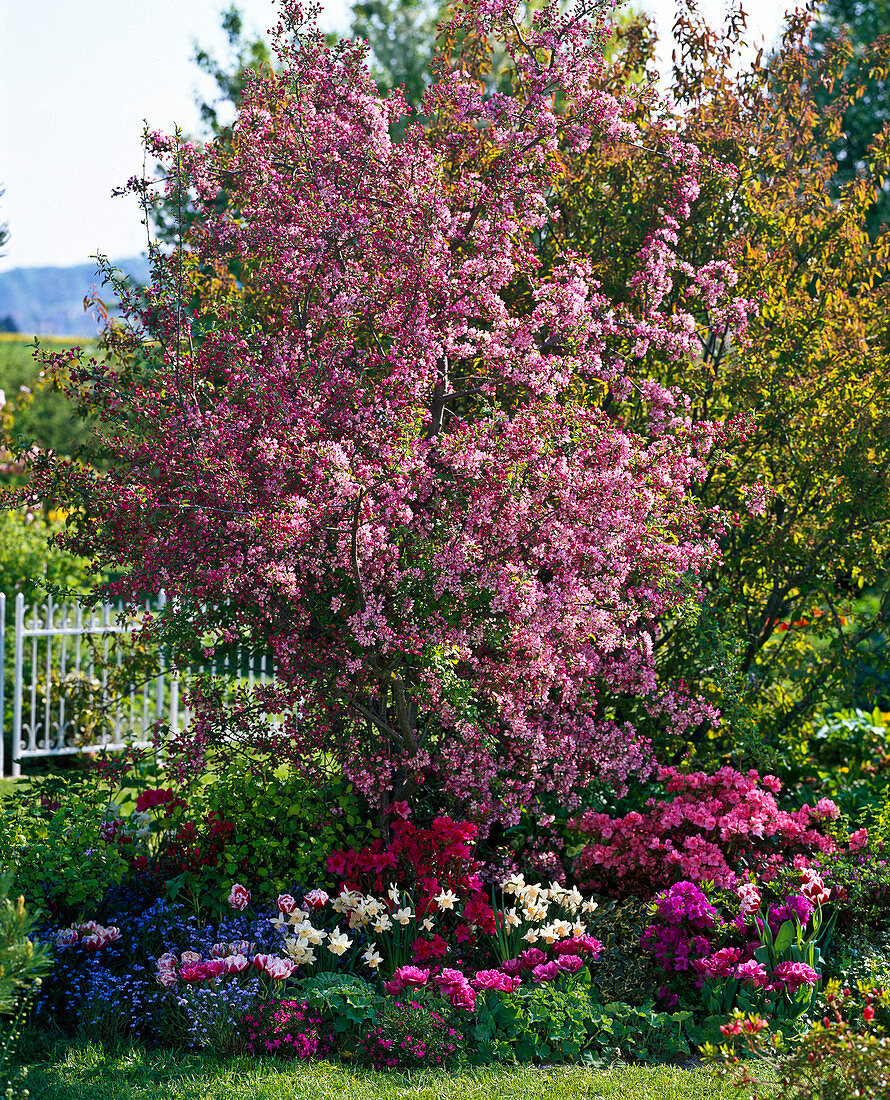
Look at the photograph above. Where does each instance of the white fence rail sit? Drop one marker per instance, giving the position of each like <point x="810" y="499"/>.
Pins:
<point x="73" y="690"/>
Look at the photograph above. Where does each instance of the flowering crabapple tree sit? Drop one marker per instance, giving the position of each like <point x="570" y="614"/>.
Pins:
<point x="385" y="471"/>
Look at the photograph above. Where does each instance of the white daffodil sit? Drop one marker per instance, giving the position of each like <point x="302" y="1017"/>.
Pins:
<point x="428" y="924"/>
<point x="382" y="924"/>
<point x="403" y="916"/>
<point x="578" y="929"/>
<point x="531" y="936"/>
<point x="573" y="899"/>
<point x="345" y="901"/>
<point x="372" y="957"/>
<point x="445" y="900"/>
<point x="374" y="907"/>
<point x="513" y="885"/>
<point x="589" y="906"/>
<point x="338" y="942"/>
<point x="534" y="914"/>
<point x="562" y="928"/>
<point x="511" y="918"/>
<point x="394" y="894"/>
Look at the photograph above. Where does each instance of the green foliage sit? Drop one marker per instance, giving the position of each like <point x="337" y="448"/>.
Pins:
<point x="36" y="407"/>
<point x="347" y="1001"/>
<point x="623" y="972"/>
<point x="51" y="842"/>
<point x="23" y="964"/>
<point x="402" y="37"/>
<point x="561" y="1022"/>
<point x="279" y="832"/>
<point x="28" y="561"/>
<point x="21" y="960"/>
<point x="843" y="1056"/>
<point x="413" y="1035"/>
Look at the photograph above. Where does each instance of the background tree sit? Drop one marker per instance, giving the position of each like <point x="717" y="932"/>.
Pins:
<point x="782" y="629"/>
<point x="853" y="27"/>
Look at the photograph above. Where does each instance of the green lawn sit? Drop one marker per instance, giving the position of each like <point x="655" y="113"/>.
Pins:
<point x="84" y="1071"/>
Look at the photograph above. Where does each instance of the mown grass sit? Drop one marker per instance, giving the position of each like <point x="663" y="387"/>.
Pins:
<point x="86" y="1071"/>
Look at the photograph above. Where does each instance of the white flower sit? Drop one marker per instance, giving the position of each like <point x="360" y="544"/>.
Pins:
<point x="394" y="894"/>
<point x="338" y="942"/>
<point x="428" y="924"/>
<point x="511" y="918"/>
<point x="513" y="885"/>
<point x="549" y="934"/>
<point x="535" y="913"/>
<point x="371" y="956"/>
<point x="589" y="906"/>
<point x="562" y="928"/>
<point x="345" y="901"/>
<point x="403" y="916"/>
<point x="573" y="899"/>
<point x="531" y="936"/>
<point x="445" y="900"/>
<point x="382" y="924"/>
<point x="578" y="929"/>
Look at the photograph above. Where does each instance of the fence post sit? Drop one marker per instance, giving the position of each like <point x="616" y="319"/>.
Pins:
<point x="17" y="685"/>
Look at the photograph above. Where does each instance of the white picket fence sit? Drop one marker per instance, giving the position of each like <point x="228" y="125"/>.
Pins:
<point x="70" y="688"/>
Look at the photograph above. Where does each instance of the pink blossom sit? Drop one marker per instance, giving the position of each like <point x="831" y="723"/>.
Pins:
<point x="411" y="976"/>
<point x="495" y="979"/>
<point x="752" y="973"/>
<point x="547" y="972"/>
<point x="236" y="964"/>
<point x="858" y="840"/>
<point x="793" y="975"/>
<point x="570" y="964"/>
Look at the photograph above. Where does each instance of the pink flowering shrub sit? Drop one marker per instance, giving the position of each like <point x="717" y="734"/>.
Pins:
<point x="714" y="827"/>
<point x="409" y="1034"/>
<point x="287" y="1029"/>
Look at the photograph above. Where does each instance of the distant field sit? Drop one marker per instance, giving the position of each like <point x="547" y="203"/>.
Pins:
<point x="43" y="415"/>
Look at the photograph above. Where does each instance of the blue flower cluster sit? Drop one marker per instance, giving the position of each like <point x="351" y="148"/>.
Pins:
<point x="114" y="992"/>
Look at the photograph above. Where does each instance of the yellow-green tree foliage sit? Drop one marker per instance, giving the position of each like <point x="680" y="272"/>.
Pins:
<point x="781" y="631"/>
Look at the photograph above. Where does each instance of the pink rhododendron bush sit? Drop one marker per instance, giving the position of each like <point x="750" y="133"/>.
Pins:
<point x="705" y="828"/>
<point x="387" y="474"/>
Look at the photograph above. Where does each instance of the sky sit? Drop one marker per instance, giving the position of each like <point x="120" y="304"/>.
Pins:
<point x="78" y="79"/>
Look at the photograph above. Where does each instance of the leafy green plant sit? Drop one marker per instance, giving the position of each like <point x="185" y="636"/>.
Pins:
<point x="412" y="1034"/>
<point x="51" y="840"/>
<point x="560" y="1022"/>
<point x="624" y="973"/>
<point x="23" y="964"/>
<point x="348" y="1002"/>
<point x="844" y="1056"/>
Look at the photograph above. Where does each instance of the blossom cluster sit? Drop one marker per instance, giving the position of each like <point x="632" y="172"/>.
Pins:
<point x="89" y="935"/>
<point x="713" y="827"/>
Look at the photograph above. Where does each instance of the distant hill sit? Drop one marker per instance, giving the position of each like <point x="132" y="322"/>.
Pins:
<point x="48" y="301"/>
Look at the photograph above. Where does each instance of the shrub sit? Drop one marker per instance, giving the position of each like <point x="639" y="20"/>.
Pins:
<point x="715" y="827"/>
<point x="409" y="1034"/>
<point x="23" y="965"/>
<point x="53" y="841"/>
<point x="844" y="1056"/>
